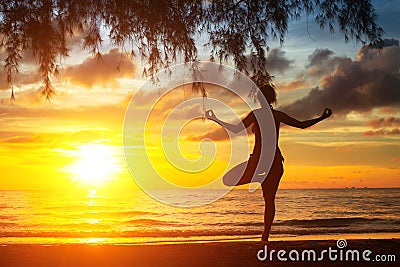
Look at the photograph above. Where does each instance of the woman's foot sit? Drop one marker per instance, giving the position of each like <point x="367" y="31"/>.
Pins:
<point x="264" y="237"/>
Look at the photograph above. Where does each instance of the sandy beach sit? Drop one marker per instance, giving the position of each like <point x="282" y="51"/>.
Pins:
<point x="242" y="253"/>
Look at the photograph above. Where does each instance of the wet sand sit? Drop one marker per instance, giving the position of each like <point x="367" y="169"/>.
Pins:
<point x="242" y="253"/>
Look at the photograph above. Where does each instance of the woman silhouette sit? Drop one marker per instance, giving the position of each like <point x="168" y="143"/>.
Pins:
<point x="271" y="182"/>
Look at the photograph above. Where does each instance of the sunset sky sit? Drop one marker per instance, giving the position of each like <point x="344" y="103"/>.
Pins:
<point x="75" y="140"/>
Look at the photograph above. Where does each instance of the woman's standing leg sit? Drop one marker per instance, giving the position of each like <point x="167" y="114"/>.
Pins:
<point x="269" y="187"/>
<point x="269" y="215"/>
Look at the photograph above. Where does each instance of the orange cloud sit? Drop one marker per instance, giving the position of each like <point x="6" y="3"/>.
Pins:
<point x="384" y="126"/>
<point x="384" y="122"/>
<point x="19" y="79"/>
<point x="343" y="149"/>
<point x="102" y="71"/>
<point x="218" y="134"/>
<point x="293" y="85"/>
<point x="394" y="131"/>
<point x="56" y="138"/>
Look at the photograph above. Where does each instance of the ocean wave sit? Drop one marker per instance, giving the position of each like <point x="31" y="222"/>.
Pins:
<point x="56" y="216"/>
<point x="150" y="222"/>
<point x="186" y="233"/>
<point x="148" y="233"/>
<point x="332" y="222"/>
<point x="95" y="212"/>
<point x="317" y="223"/>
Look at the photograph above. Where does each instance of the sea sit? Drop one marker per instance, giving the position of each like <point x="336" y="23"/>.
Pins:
<point x="132" y="217"/>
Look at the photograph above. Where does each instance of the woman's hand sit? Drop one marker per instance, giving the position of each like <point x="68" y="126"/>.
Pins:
<point x="210" y="115"/>
<point x="326" y="114"/>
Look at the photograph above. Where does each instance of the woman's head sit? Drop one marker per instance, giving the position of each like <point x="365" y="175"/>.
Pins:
<point x="269" y="93"/>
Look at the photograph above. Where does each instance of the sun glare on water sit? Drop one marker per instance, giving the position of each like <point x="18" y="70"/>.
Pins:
<point x="94" y="165"/>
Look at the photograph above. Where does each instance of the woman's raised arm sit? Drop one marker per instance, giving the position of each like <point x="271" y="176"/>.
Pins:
<point x="246" y="122"/>
<point x="304" y="124"/>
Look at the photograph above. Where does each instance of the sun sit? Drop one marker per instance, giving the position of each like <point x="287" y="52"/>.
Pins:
<point x="95" y="164"/>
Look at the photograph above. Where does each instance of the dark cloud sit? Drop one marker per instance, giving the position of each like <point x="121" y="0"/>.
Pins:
<point x="319" y="56"/>
<point x="390" y="42"/>
<point x="103" y="71"/>
<point x="370" y="81"/>
<point x="320" y="62"/>
<point x="277" y="62"/>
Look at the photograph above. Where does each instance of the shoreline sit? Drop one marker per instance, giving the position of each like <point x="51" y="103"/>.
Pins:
<point x="241" y="253"/>
<point x="50" y="241"/>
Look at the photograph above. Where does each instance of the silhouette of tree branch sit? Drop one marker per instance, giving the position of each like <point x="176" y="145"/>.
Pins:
<point x="163" y="30"/>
